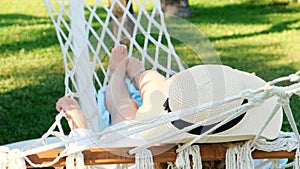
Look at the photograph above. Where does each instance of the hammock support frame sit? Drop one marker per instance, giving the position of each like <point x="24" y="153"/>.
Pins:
<point x="98" y="156"/>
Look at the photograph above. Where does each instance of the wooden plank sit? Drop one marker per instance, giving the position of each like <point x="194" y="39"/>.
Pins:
<point x="46" y="157"/>
<point x="161" y="154"/>
<point x="257" y="154"/>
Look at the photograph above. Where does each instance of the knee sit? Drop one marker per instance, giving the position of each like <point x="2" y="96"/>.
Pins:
<point x="152" y="75"/>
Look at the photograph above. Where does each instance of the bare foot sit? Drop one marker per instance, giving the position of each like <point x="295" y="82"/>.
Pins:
<point x="74" y="114"/>
<point x="135" y="69"/>
<point x="118" y="60"/>
<point x="118" y="101"/>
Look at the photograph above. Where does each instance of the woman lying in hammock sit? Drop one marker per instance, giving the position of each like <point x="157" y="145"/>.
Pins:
<point x="197" y="85"/>
<point x="118" y="101"/>
<point x="121" y="106"/>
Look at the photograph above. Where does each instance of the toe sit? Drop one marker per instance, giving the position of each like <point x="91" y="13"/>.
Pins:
<point x="119" y="50"/>
<point x="123" y="49"/>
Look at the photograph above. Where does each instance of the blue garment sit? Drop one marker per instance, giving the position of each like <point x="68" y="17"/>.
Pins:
<point x="104" y="114"/>
<point x="257" y="162"/>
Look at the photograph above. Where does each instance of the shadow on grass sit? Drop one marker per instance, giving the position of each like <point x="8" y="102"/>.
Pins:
<point x="42" y="34"/>
<point x="276" y="28"/>
<point x="254" y="58"/>
<point x="245" y="13"/>
<point x="41" y="38"/>
<point x="22" y="20"/>
<point x="250" y="13"/>
<point x="28" y="112"/>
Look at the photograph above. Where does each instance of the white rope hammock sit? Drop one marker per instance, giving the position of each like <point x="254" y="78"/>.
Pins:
<point x="86" y="38"/>
<point x="85" y="46"/>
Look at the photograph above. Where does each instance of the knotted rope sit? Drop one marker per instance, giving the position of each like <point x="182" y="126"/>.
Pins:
<point x="183" y="157"/>
<point x="239" y="156"/>
<point x="3" y="156"/>
<point x="75" y="161"/>
<point x="15" y="160"/>
<point x="143" y="160"/>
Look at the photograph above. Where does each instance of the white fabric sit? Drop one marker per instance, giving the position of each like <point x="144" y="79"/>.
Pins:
<point x="30" y="143"/>
<point x="124" y="141"/>
<point x="83" y="134"/>
<point x="79" y="133"/>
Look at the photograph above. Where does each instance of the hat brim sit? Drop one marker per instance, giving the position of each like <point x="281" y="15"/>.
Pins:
<point x="245" y="129"/>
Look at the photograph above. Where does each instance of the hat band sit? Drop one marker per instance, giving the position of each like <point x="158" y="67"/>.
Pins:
<point x="180" y="124"/>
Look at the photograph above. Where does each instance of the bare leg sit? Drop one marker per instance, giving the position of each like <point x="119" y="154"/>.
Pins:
<point x="145" y="81"/>
<point x="118" y="100"/>
<point x="135" y="69"/>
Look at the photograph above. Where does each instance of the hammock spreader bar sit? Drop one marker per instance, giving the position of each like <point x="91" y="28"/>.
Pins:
<point x="97" y="156"/>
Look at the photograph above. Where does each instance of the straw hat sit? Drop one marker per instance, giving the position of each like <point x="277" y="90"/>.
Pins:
<point x="206" y="84"/>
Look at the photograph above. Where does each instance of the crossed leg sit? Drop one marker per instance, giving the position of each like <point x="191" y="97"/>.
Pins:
<point x="118" y="101"/>
<point x="146" y="81"/>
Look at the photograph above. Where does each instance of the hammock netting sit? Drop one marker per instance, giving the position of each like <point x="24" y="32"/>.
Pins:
<point x="87" y="31"/>
<point x="87" y="39"/>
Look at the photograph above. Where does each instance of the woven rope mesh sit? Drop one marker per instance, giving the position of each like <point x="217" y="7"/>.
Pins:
<point x="87" y="30"/>
<point x="86" y="35"/>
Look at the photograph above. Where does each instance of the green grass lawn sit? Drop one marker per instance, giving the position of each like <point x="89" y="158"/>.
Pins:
<point x="31" y="70"/>
<point x="256" y="37"/>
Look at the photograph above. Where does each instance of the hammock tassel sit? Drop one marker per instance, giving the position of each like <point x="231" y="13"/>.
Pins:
<point x="78" y="158"/>
<point x="3" y="156"/>
<point x="122" y="166"/>
<point x="297" y="159"/>
<point x="144" y="160"/>
<point x="183" y="158"/>
<point x="171" y="166"/>
<point x="15" y="161"/>
<point x="239" y="156"/>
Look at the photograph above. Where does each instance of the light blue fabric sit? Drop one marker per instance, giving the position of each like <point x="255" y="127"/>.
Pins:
<point x="104" y="114"/>
<point x="268" y="165"/>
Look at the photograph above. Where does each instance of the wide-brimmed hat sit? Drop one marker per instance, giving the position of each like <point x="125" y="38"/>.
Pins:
<point x="201" y="85"/>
